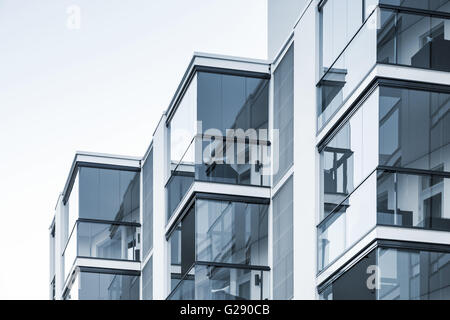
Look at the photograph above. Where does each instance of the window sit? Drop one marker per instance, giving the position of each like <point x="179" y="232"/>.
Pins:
<point x="219" y="250"/>
<point x="350" y="156"/>
<point x="232" y="102"/>
<point x="147" y="218"/>
<point x="105" y="286"/>
<point x="417" y="40"/>
<point x="284" y="115"/>
<point x="147" y="280"/>
<point x="413" y="129"/>
<point x="107" y="194"/>
<point x="283" y="242"/>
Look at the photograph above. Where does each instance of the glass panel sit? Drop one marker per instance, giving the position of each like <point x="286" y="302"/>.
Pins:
<point x="232" y="102"/>
<point x="234" y="162"/>
<point x="413" y="201"/>
<point x="350" y="156"/>
<point x="223" y="160"/>
<point x="147" y="212"/>
<point x="231" y="232"/>
<point x="283" y="242"/>
<point x="107" y="241"/>
<point x="284" y="115"/>
<point x="147" y="280"/>
<point x="106" y="194"/>
<point x="413" y="275"/>
<point x="348" y="223"/>
<point x="185" y="288"/>
<point x="103" y="286"/>
<point x="340" y="21"/>
<point x="183" y="124"/>
<point x="343" y="76"/>
<point x="414" y="40"/>
<point x="218" y="283"/>
<point x="412" y="130"/>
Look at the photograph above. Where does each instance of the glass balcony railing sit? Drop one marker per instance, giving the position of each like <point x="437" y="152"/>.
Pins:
<point x="416" y="40"/>
<point x="387" y="198"/>
<point x="207" y="282"/>
<point x="231" y="161"/>
<point x="102" y="240"/>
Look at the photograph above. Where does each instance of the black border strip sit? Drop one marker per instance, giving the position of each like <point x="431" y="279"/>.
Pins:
<point x="110" y="271"/>
<point x="417" y="11"/>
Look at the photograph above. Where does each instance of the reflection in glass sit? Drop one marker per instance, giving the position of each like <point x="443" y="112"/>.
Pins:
<point x="413" y="129"/>
<point x="348" y="223"/>
<point x="412" y="200"/>
<point x="231" y="232"/>
<point x="413" y="275"/>
<point x="218" y="283"/>
<point x="350" y="156"/>
<point x="416" y="40"/>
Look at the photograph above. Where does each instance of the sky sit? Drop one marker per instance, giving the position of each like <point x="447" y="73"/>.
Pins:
<point x="94" y="81"/>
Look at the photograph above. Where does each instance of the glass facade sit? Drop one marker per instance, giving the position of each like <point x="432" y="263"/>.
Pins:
<point x="147" y="280"/>
<point x="284" y="115"/>
<point x="409" y="135"/>
<point x="147" y="203"/>
<point x="394" y="274"/>
<point x="283" y="242"/>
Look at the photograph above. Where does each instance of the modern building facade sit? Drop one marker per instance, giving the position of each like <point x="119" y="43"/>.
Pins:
<point x="321" y="173"/>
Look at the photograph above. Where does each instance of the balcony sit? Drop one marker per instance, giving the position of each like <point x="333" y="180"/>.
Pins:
<point x="388" y="36"/>
<point x="389" y="197"/>
<point x="101" y="240"/>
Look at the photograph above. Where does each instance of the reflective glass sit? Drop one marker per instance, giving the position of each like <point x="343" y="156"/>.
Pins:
<point x="106" y="194"/>
<point x="413" y="275"/>
<point x="231" y="232"/>
<point x="104" y="286"/>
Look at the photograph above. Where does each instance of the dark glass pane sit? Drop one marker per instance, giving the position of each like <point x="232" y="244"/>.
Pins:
<point x="284" y="115"/>
<point x="109" y="194"/>
<point x="354" y="284"/>
<point x="102" y="286"/>
<point x="231" y="102"/>
<point x="147" y="212"/>
<point x="412" y="130"/>
<point x="283" y="242"/>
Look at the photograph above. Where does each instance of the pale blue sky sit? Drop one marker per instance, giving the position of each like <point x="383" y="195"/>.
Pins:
<point x="101" y="88"/>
